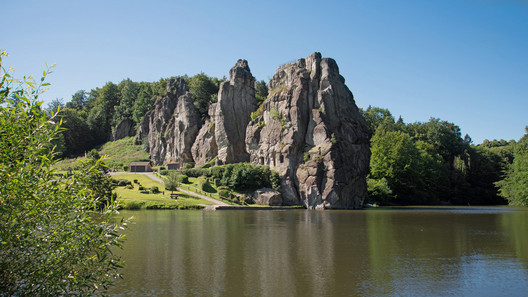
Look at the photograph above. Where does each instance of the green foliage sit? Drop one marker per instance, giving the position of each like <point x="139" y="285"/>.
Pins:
<point x="101" y="115"/>
<point x="122" y="182"/>
<point x="171" y="182"/>
<point x="182" y="178"/>
<point x="204" y="185"/>
<point x="397" y="159"/>
<point x="378" y="118"/>
<point x="261" y="91"/>
<point x="53" y="241"/>
<point x="203" y="88"/>
<point x="429" y="163"/>
<point x="257" y="113"/>
<point x="378" y="191"/>
<point x="154" y="190"/>
<point x="188" y="165"/>
<point x="274" y="113"/>
<point x="514" y="186"/>
<point x="275" y="181"/>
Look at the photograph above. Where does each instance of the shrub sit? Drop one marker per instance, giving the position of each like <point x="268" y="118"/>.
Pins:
<point x="125" y="168"/>
<point x="131" y="204"/>
<point x="141" y="188"/>
<point x="136" y="181"/>
<point x="182" y="178"/>
<point x="224" y="193"/>
<point x="154" y="190"/>
<point x="130" y="187"/>
<point x="204" y="185"/>
<point x="123" y="182"/>
<point x="188" y="165"/>
<point x="163" y="172"/>
<point x="161" y="168"/>
<point x="194" y="172"/>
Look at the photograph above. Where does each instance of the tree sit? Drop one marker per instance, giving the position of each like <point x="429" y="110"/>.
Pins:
<point x="171" y="182"/>
<point x="202" y="87"/>
<point x="76" y="133"/>
<point x="394" y="157"/>
<point x="53" y="240"/>
<point x="377" y="117"/>
<point x="514" y="186"/>
<point x="101" y="115"/>
<point x="128" y="93"/>
<point x="143" y="103"/>
<point x="78" y="100"/>
<point x="261" y="91"/>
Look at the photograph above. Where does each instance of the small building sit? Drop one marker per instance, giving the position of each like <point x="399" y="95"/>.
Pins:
<point x="173" y="166"/>
<point x="140" y="167"/>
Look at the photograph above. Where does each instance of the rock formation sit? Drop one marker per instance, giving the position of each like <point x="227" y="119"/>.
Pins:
<point x="236" y="102"/>
<point x="204" y="148"/>
<point x="310" y="131"/>
<point x="124" y="128"/>
<point x="171" y="128"/>
<point x="266" y="196"/>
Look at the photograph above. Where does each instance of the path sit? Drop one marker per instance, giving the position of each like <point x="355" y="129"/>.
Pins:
<point x="157" y="179"/>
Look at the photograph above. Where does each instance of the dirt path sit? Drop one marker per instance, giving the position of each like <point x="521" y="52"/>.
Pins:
<point x="157" y="179"/>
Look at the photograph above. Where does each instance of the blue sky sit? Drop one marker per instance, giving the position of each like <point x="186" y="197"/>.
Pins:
<point x="463" y="61"/>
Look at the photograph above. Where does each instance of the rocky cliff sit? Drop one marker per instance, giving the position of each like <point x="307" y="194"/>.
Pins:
<point x="308" y="129"/>
<point x="171" y="128"/>
<point x="236" y="102"/>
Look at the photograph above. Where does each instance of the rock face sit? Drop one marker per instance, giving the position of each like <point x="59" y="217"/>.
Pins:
<point x="310" y="131"/>
<point x="124" y="128"/>
<point x="171" y="128"/>
<point x="236" y="102"/>
<point x="204" y="148"/>
<point x="267" y="196"/>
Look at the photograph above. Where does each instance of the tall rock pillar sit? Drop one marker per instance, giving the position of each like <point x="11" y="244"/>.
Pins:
<point x="236" y="102"/>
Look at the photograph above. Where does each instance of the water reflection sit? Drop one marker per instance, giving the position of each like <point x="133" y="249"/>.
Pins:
<point x="331" y="253"/>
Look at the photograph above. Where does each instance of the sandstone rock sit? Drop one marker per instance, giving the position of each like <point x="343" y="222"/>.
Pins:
<point x="267" y="196"/>
<point x="171" y="128"/>
<point x="236" y="102"/>
<point x="204" y="148"/>
<point x="311" y="114"/>
<point x="124" y="128"/>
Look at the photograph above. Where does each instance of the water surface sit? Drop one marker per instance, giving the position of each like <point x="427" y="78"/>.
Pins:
<point x="379" y="252"/>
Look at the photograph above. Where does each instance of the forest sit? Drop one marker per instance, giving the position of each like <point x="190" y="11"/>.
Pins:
<point x="411" y="163"/>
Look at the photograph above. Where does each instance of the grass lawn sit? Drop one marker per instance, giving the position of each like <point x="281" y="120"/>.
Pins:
<point x="134" y="199"/>
<point x="119" y="154"/>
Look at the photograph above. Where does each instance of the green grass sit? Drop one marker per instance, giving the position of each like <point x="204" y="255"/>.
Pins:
<point x="118" y="154"/>
<point x="134" y="199"/>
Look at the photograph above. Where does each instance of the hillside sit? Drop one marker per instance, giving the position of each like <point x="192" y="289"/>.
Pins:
<point x="118" y="154"/>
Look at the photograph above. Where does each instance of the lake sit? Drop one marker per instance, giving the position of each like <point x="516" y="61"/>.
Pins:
<point x="437" y="251"/>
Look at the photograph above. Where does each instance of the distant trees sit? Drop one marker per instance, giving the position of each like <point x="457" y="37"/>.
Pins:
<point x="261" y="91"/>
<point x="429" y="163"/>
<point x="514" y="187"/>
<point x="204" y="90"/>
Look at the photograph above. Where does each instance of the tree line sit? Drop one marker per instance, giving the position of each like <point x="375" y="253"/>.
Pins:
<point x="431" y="163"/>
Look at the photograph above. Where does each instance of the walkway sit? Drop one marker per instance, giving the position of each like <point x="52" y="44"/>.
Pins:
<point x="157" y="179"/>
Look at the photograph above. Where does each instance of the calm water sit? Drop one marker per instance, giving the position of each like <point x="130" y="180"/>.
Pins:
<point x="395" y="252"/>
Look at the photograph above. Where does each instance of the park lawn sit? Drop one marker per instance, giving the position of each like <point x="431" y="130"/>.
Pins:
<point x="193" y="186"/>
<point x="134" y="199"/>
